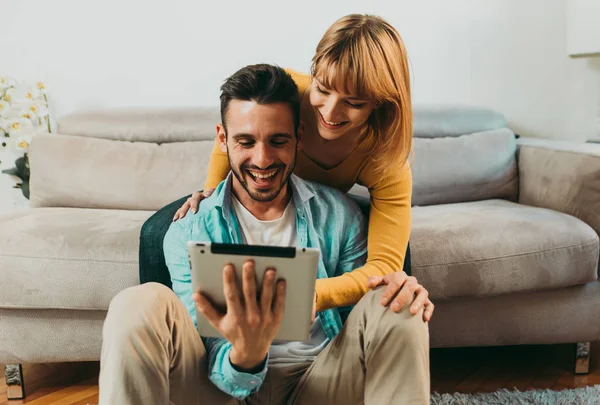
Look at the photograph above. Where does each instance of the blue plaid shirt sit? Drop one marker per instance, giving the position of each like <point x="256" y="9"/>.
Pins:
<point x="325" y="218"/>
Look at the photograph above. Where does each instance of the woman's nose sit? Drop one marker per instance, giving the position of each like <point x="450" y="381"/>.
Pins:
<point x="330" y="110"/>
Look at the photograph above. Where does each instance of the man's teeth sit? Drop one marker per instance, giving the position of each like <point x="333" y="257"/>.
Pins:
<point x="267" y="175"/>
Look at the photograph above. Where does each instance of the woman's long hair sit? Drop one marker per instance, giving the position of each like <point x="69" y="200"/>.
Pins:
<point x="365" y="55"/>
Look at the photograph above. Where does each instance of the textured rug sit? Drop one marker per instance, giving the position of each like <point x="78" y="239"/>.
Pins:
<point x="579" y="396"/>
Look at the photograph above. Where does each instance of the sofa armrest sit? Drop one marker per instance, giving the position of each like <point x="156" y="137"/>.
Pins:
<point x="562" y="176"/>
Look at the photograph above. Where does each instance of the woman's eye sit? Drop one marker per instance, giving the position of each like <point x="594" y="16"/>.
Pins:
<point x="320" y="90"/>
<point x="357" y="106"/>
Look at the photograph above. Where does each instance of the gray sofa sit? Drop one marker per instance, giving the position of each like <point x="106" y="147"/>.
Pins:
<point x="504" y="233"/>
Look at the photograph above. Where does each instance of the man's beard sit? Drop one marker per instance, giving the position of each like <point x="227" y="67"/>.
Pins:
<point x="241" y="172"/>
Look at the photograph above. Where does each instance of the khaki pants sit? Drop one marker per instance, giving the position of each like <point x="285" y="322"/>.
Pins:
<point x="152" y="354"/>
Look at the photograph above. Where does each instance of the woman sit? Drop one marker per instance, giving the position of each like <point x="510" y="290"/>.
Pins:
<point x="357" y="115"/>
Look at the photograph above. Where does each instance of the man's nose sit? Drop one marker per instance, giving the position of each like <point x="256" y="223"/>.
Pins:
<point x="264" y="156"/>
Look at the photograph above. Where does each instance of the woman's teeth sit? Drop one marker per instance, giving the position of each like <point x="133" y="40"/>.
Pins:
<point x="331" y="123"/>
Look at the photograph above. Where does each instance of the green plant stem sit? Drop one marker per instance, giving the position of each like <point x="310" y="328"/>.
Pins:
<point x="47" y="116"/>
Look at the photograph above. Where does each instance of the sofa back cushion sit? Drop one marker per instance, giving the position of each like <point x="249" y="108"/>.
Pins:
<point x="471" y="167"/>
<point x="146" y="158"/>
<point x="74" y="171"/>
<point x="159" y="125"/>
<point x="435" y="121"/>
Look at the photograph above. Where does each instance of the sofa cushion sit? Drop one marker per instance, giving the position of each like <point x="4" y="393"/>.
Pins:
<point x="159" y="125"/>
<point x="495" y="247"/>
<point x="471" y="167"/>
<point x="434" y="121"/>
<point x="74" y="171"/>
<point x="183" y="124"/>
<point x="67" y="258"/>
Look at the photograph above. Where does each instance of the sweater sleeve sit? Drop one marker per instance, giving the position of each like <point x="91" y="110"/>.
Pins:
<point x="218" y="167"/>
<point x="389" y="231"/>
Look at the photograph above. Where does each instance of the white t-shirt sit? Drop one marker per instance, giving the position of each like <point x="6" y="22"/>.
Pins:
<point x="281" y="232"/>
<point x="278" y="232"/>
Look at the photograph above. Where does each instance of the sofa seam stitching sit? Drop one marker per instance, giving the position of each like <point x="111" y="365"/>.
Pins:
<point x="510" y="256"/>
<point x="548" y="148"/>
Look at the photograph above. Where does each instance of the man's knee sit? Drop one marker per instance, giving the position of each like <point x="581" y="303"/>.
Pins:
<point x="402" y="325"/>
<point x="135" y="306"/>
<point x="141" y="296"/>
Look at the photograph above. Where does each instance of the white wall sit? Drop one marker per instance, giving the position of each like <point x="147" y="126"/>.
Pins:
<point x="583" y="27"/>
<point x="506" y="54"/>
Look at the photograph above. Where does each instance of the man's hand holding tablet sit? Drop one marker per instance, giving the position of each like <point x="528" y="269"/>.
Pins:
<point x="251" y="322"/>
<point x="229" y="282"/>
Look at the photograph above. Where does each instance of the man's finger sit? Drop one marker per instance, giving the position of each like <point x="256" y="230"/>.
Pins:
<point x="249" y="288"/>
<point x="279" y="305"/>
<point x="206" y="308"/>
<point x="230" y="289"/>
<point x="266" y="295"/>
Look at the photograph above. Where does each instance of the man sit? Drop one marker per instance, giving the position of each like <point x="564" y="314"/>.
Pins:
<point x="152" y="353"/>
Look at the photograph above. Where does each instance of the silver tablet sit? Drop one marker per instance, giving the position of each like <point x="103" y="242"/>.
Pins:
<point x="297" y="266"/>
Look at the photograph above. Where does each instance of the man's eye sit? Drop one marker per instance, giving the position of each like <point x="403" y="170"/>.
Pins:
<point x="246" y="144"/>
<point x="279" y="143"/>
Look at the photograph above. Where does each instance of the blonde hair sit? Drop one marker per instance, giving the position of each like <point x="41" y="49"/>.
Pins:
<point x="364" y="54"/>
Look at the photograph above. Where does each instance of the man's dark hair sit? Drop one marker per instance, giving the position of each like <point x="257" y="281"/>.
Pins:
<point x="263" y="84"/>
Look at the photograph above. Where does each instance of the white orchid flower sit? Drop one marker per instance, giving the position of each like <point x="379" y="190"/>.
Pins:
<point x="25" y="95"/>
<point x="6" y="82"/>
<point x="23" y="113"/>
<point x="9" y="95"/>
<point x="17" y="126"/>
<point x="33" y="93"/>
<point x="31" y="111"/>
<point x="22" y="142"/>
<point x="4" y="124"/>
<point x="5" y="108"/>
<point x="37" y="110"/>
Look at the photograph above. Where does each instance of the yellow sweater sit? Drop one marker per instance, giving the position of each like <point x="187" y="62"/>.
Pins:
<point x="389" y="220"/>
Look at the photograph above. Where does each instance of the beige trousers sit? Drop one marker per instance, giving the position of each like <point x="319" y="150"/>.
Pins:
<point x="152" y="354"/>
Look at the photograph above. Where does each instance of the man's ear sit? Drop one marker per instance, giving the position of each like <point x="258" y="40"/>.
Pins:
<point x="222" y="138"/>
<point x="300" y="136"/>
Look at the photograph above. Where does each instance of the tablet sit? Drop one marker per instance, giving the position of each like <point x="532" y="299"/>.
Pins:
<point x="297" y="266"/>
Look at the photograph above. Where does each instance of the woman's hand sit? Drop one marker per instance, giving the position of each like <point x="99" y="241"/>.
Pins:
<point x="192" y="203"/>
<point x="404" y="288"/>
